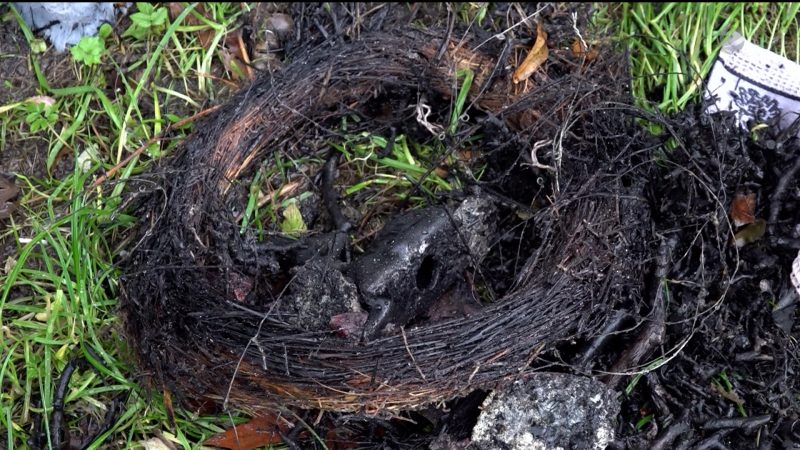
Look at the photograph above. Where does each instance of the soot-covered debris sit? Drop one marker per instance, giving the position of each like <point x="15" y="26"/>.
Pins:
<point x="725" y="377"/>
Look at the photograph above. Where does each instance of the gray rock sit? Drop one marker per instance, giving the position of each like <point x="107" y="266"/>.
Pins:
<point x="548" y="411"/>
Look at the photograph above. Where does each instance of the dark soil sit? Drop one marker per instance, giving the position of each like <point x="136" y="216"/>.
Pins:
<point x="25" y="156"/>
<point x="719" y="320"/>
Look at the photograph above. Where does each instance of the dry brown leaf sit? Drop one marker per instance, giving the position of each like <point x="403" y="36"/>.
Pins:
<point x="743" y="209"/>
<point x="731" y="396"/>
<point x="441" y="172"/>
<point x="536" y="57"/>
<point x="578" y="49"/>
<point x="593" y="52"/>
<point x="262" y="430"/>
<point x="175" y="10"/>
<point x="234" y="57"/>
<point x="204" y="36"/>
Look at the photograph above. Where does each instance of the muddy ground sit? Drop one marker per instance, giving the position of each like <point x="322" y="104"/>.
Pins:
<point x="726" y="336"/>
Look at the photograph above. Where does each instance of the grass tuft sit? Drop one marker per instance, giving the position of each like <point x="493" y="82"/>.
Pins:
<point x="673" y="45"/>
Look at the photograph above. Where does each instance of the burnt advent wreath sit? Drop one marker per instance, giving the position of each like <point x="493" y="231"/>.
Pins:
<point x="538" y="250"/>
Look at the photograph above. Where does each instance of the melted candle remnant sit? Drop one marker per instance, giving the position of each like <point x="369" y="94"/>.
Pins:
<point x="417" y="257"/>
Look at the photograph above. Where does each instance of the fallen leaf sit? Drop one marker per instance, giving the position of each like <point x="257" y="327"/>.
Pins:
<point x="41" y="100"/>
<point x="175" y="10"/>
<point x="155" y="444"/>
<point x="751" y="233"/>
<point x="466" y="155"/>
<point x="731" y="396"/>
<point x="593" y="52"/>
<point x="262" y="430"/>
<point x="204" y="35"/>
<point x="578" y="48"/>
<point x="293" y="223"/>
<point x="535" y="58"/>
<point x="743" y="209"/>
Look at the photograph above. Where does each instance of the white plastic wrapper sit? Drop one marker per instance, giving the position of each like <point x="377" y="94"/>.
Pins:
<point x="758" y="85"/>
<point x="754" y="82"/>
<point x="65" y="23"/>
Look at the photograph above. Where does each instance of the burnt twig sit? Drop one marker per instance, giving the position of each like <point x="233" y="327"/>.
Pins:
<point x="58" y="399"/>
<point x="57" y="418"/>
<point x="748" y="424"/>
<point x="713" y="442"/>
<point x="784" y="182"/>
<point x="329" y="195"/>
<point x="108" y="420"/>
<point x="667" y="438"/>
<point x="613" y="324"/>
<point x="331" y="199"/>
<point x="652" y="333"/>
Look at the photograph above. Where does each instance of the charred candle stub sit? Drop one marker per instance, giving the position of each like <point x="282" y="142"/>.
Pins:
<point x="417" y="257"/>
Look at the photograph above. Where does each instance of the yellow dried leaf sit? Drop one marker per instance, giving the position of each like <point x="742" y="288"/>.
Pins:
<point x="536" y="57"/>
